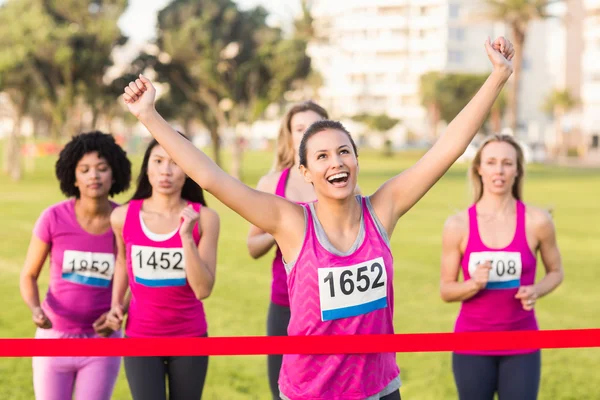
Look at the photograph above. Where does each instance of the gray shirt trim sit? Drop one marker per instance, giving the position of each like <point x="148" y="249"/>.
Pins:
<point x="322" y="236"/>
<point x="378" y="223"/>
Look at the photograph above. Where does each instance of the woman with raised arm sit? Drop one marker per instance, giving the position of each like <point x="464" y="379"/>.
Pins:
<point x="495" y="243"/>
<point x="167" y="252"/>
<point x="336" y="250"/>
<point x="76" y="237"/>
<point x="286" y="181"/>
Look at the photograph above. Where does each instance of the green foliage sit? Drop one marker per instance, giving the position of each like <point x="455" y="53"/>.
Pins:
<point x="451" y="92"/>
<point x="559" y="101"/>
<point x="380" y="122"/>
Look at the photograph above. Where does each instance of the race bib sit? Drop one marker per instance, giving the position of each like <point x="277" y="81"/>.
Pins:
<point x="158" y="267"/>
<point x="353" y="290"/>
<point x="506" y="268"/>
<point x="88" y="268"/>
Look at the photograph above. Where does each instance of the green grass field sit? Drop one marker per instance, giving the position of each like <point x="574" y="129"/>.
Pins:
<point x="238" y="304"/>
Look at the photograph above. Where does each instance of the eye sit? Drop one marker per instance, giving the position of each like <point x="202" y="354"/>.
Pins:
<point x="320" y="156"/>
<point x="344" y="151"/>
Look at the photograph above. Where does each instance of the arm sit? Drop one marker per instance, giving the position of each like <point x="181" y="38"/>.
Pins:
<point x="450" y="289"/>
<point x="201" y="261"/>
<point x="36" y="256"/>
<point x="120" y="278"/>
<point x="264" y="210"/>
<point x="260" y="242"/>
<point x="546" y="234"/>
<point x="400" y="193"/>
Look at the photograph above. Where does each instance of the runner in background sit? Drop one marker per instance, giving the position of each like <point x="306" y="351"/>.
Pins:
<point x="167" y="253"/>
<point x="495" y="243"/>
<point x="77" y="236"/>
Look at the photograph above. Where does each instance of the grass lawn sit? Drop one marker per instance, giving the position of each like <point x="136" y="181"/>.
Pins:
<point x="238" y="304"/>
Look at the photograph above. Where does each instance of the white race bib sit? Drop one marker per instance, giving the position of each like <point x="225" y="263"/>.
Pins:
<point x="88" y="268"/>
<point x="506" y="268"/>
<point x="352" y="290"/>
<point x="157" y="266"/>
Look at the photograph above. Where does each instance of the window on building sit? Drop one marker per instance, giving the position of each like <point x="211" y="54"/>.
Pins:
<point x="455" y="56"/>
<point x="453" y="10"/>
<point x="456" y="33"/>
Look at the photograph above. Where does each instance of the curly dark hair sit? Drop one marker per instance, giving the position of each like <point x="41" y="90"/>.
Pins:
<point x="89" y="142"/>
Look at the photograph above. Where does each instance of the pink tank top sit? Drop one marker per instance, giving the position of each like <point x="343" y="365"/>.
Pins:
<point x="162" y="303"/>
<point x="333" y="294"/>
<point x="495" y="307"/>
<point x="279" y="290"/>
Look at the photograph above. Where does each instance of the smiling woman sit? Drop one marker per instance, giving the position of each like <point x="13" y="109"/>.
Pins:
<point x="90" y="168"/>
<point x="336" y="250"/>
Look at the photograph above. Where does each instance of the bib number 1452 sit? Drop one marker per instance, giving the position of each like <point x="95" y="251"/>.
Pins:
<point x="352" y="290"/>
<point x="158" y="267"/>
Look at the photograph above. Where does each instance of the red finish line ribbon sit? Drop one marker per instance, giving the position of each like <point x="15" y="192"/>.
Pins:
<point x="261" y="345"/>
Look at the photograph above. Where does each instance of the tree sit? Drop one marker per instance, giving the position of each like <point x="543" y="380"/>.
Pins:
<point x="557" y="104"/>
<point x="380" y="122"/>
<point x="517" y="14"/>
<point x="446" y="94"/>
<point x="24" y="33"/>
<point x="227" y="59"/>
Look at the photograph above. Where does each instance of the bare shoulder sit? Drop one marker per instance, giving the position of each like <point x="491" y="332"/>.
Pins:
<point x="117" y="217"/>
<point x="268" y="183"/>
<point x="539" y="218"/>
<point x="457" y="224"/>
<point x="210" y="216"/>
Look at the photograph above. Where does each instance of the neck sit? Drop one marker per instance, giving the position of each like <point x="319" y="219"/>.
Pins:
<point x="165" y="203"/>
<point x="92" y="207"/>
<point x="496" y="204"/>
<point x="342" y="215"/>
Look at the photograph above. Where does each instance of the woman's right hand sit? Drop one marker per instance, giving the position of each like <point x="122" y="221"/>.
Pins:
<point x="139" y="96"/>
<point x="40" y="319"/>
<point x="482" y="275"/>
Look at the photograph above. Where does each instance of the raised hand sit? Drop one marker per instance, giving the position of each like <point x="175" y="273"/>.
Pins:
<point x="500" y="53"/>
<point x="189" y="218"/>
<point x="139" y="96"/>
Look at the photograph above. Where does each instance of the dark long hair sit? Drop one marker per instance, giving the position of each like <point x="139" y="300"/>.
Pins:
<point x="191" y="191"/>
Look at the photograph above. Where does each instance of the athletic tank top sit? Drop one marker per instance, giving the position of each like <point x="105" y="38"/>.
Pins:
<point x="279" y="290"/>
<point x="495" y="307"/>
<point x="162" y="303"/>
<point x="334" y="293"/>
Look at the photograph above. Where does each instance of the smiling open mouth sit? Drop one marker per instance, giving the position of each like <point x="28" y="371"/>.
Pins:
<point x="338" y="179"/>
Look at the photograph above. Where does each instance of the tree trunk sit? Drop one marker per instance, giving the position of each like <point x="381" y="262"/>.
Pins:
<point x="12" y="151"/>
<point x="434" y="120"/>
<point x="216" y="144"/>
<point x="513" y="97"/>
<point x="496" y="120"/>
<point x="236" y="159"/>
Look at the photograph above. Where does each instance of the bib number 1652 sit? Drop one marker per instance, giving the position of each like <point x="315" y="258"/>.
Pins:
<point x="352" y="290"/>
<point x="366" y="278"/>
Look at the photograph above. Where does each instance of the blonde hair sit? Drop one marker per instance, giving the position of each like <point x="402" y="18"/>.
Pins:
<point x="285" y="145"/>
<point x="475" y="178"/>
